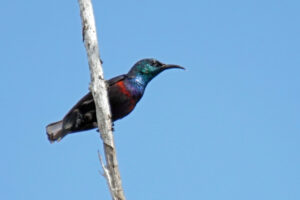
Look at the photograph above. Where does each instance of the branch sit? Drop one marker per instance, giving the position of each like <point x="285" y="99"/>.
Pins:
<point x="98" y="88"/>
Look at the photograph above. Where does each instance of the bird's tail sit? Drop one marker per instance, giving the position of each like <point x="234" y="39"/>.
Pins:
<point x="55" y="131"/>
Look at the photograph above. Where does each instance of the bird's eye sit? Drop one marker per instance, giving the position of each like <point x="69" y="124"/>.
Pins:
<point x="156" y="63"/>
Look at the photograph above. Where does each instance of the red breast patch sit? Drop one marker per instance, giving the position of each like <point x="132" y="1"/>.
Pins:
<point x="124" y="90"/>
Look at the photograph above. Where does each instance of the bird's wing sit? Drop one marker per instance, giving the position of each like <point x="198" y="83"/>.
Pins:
<point x="88" y="98"/>
<point x="116" y="79"/>
<point x="82" y="115"/>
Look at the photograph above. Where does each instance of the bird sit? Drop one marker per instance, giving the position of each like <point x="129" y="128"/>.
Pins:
<point x="124" y="92"/>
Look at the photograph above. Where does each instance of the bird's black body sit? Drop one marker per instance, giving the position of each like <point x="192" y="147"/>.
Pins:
<point x="124" y="92"/>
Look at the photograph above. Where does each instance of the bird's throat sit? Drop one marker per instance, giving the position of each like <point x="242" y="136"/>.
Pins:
<point x="137" y="86"/>
<point x="140" y="81"/>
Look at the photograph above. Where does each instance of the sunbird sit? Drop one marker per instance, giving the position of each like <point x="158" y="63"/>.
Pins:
<point x="124" y="93"/>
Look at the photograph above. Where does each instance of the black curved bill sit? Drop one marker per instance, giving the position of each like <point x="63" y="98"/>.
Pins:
<point x="172" y="66"/>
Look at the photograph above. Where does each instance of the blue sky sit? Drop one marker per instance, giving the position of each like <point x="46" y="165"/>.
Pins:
<point x="226" y="128"/>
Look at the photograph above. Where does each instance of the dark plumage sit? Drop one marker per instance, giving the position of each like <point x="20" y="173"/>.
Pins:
<point x="124" y="92"/>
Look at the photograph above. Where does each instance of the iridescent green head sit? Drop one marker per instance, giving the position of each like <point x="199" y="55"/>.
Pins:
<point x="146" y="69"/>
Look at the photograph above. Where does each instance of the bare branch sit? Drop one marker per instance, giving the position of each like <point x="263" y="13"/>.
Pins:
<point x="98" y="88"/>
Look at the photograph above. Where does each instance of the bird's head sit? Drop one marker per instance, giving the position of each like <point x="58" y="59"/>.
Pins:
<point x="146" y="69"/>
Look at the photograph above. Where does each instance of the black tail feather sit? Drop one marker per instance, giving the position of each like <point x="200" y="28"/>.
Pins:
<point x="55" y="131"/>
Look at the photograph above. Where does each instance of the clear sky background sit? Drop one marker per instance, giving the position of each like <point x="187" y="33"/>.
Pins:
<point x="226" y="128"/>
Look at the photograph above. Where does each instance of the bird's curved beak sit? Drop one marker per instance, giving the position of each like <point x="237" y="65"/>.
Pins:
<point x="170" y="66"/>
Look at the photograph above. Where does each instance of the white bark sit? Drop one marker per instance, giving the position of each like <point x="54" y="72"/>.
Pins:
<point x="99" y="90"/>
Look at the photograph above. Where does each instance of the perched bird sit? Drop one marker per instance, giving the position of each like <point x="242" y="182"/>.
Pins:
<point x="124" y="92"/>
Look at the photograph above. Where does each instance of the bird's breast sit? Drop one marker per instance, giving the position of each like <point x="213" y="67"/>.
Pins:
<point x="123" y="97"/>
